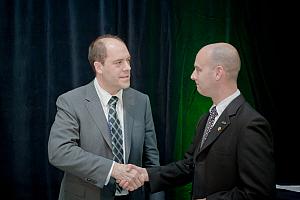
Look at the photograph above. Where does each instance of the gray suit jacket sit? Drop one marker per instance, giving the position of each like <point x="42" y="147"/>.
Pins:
<point x="80" y="142"/>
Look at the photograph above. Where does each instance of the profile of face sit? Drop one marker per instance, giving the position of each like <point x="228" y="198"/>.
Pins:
<point x="115" y="72"/>
<point x="204" y="73"/>
<point x="216" y="69"/>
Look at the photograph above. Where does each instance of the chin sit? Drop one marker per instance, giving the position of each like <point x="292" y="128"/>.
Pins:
<point x="124" y="86"/>
<point x="201" y="92"/>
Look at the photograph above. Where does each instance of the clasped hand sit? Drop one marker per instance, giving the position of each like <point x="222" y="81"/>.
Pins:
<point x="129" y="177"/>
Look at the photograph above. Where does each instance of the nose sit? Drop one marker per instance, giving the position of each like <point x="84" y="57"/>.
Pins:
<point x="126" y="66"/>
<point x="193" y="75"/>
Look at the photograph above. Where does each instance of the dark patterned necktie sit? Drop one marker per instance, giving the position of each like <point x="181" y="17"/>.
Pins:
<point x="209" y="124"/>
<point x="115" y="130"/>
<point x="116" y="133"/>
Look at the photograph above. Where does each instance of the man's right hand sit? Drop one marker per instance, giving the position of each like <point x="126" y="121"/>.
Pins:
<point x="131" y="184"/>
<point x="127" y="174"/>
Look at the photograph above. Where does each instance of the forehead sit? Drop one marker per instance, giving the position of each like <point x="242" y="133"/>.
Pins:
<point x="198" y="59"/>
<point x="202" y="57"/>
<point x="115" y="48"/>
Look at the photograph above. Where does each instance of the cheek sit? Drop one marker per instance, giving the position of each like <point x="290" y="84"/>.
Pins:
<point x="199" y="76"/>
<point x="114" y="73"/>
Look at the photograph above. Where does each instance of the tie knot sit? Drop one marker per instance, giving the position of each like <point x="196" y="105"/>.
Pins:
<point x="213" y="111"/>
<point x="113" y="101"/>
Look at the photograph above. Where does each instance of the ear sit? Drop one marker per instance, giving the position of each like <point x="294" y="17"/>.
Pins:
<point x="98" y="67"/>
<point x="219" y="72"/>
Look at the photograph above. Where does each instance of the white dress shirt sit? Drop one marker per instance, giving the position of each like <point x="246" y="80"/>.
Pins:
<point x="224" y="103"/>
<point x="104" y="97"/>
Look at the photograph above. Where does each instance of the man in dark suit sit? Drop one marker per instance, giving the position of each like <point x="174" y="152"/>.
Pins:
<point x="87" y="137"/>
<point x="231" y="156"/>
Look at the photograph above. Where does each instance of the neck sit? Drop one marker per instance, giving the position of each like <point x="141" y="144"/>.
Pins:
<point x="223" y="93"/>
<point x="108" y="89"/>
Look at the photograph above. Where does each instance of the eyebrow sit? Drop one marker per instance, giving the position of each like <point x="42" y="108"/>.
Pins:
<point x="122" y="59"/>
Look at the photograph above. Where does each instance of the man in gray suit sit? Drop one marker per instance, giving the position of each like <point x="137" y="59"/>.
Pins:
<point x="80" y="141"/>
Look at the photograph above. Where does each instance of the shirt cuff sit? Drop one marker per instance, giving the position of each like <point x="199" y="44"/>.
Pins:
<point x="109" y="174"/>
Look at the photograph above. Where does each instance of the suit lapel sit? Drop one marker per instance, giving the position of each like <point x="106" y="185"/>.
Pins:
<point x="218" y="129"/>
<point x="223" y="121"/>
<point x="128" y="109"/>
<point x="94" y="107"/>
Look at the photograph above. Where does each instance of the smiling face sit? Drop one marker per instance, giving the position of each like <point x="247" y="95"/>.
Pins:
<point x="114" y="74"/>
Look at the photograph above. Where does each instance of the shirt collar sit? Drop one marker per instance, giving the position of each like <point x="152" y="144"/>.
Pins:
<point x="105" y="96"/>
<point x="225" y="102"/>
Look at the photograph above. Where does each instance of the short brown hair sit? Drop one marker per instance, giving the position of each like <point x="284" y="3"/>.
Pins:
<point x="97" y="49"/>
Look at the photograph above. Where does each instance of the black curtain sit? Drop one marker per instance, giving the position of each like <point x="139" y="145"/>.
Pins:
<point x="44" y="47"/>
<point x="43" y="53"/>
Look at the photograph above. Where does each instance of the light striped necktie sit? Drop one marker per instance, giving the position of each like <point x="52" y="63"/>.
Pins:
<point x="116" y="133"/>
<point x="115" y="130"/>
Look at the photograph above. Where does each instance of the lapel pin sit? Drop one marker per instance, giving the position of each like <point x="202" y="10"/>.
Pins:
<point x="223" y="122"/>
<point x="219" y="128"/>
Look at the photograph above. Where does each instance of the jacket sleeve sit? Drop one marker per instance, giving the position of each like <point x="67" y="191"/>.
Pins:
<point x="176" y="173"/>
<point x="64" y="150"/>
<point x="151" y="153"/>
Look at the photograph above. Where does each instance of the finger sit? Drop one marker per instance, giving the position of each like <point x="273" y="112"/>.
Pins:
<point x="142" y="178"/>
<point x="123" y="183"/>
<point x="139" y="181"/>
<point x="133" y="184"/>
<point x="131" y="188"/>
<point x="131" y="167"/>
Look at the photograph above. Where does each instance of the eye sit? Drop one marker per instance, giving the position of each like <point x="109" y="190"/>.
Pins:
<point x="118" y="62"/>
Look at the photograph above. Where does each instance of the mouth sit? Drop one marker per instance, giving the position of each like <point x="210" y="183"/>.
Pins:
<point x="125" y="77"/>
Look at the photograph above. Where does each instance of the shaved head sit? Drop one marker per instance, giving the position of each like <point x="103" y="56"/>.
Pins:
<point x="225" y="55"/>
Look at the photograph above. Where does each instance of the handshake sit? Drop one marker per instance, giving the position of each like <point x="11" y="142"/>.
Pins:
<point x="129" y="177"/>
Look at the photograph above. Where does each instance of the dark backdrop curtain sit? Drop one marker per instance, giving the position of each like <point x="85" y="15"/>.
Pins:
<point x="43" y="53"/>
